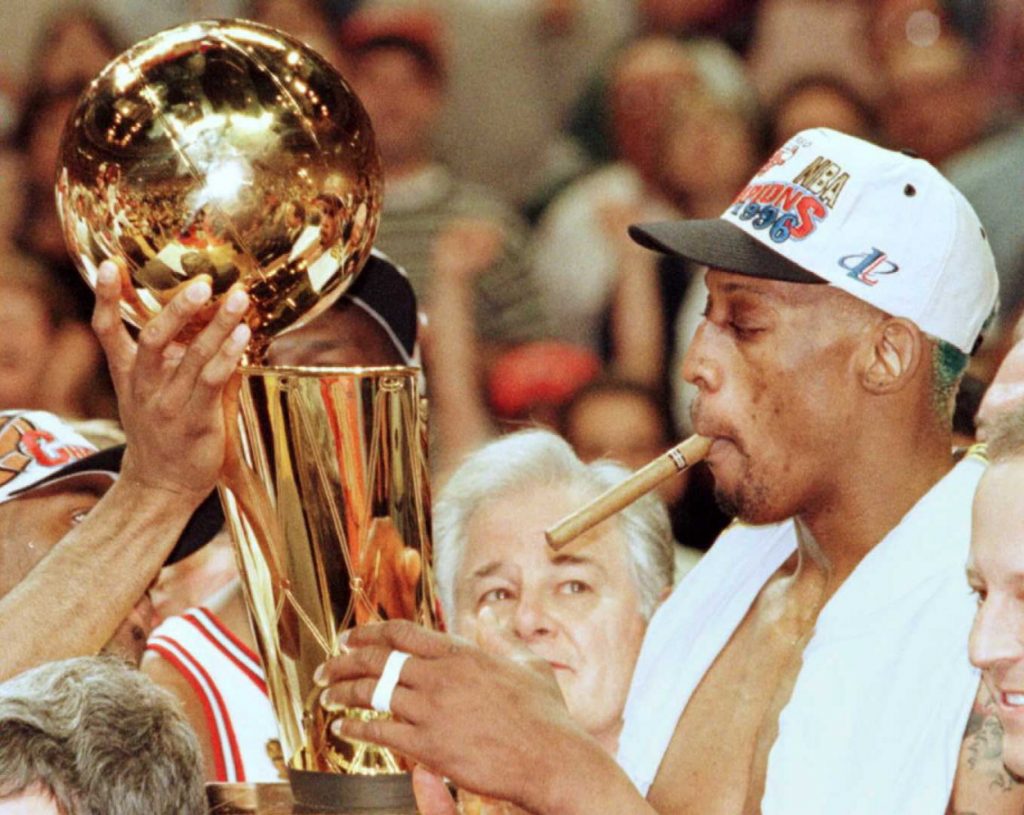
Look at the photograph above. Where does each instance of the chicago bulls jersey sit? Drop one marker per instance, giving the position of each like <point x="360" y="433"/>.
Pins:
<point x="228" y="679"/>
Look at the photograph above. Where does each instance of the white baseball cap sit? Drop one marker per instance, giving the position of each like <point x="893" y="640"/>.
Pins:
<point x="39" y="449"/>
<point x="882" y="225"/>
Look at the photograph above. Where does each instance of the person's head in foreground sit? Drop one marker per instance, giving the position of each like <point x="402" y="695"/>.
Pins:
<point x="995" y="571"/>
<point x="91" y="735"/>
<point x="848" y="284"/>
<point x="50" y="478"/>
<point x="585" y="612"/>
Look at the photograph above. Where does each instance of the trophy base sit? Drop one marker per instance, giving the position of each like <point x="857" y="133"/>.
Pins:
<point x="353" y="794"/>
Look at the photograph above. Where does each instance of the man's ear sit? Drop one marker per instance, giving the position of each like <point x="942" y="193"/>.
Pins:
<point x="892" y="357"/>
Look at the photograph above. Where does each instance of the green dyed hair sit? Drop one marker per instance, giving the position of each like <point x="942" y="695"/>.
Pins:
<point x="948" y="366"/>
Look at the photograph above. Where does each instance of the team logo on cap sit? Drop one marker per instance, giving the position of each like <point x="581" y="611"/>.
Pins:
<point x="866" y="265"/>
<point x="792" y="210"/>
<point x="22" y="443"/>
<point x="779" y="157"/>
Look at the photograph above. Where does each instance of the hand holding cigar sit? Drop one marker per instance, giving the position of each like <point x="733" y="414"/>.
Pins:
<point x="669" y="463"/>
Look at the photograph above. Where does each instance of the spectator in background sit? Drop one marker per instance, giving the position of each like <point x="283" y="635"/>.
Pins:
<point x="795" y="38"/>
<point x="943" y="103"/>
<point x="38" y="138"/>
<point x="1004" y="50"/>
<point x="937" y="103"/>
<point x="515" y="68"/>
<point x="306" y="20"/>
<point x="581" y="238"/>
<point x="136" y="19"/>
<point x="523" y="384"/>
<point x="90" y="735"/>
<point x="72" y="47"/>
<point x="12" y="172"/>
<point x="49" y="359"/>
<point x="726" y="20"/>
<point x="396" y="64"/>
<point x="530" y="384"/>
<point x="1005" y="393"/>
<point x="39" y="232"/>
<point x="821" y="100"/>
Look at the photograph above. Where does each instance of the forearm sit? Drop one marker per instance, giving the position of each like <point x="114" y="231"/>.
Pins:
<point x="457" y="403"/>
<point x="581" y="778"/>
<point x="72" y="602"/>
<point x="638" y="323"/>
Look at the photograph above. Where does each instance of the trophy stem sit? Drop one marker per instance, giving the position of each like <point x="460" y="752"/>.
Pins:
<point x="354" y="794"/>
<point x="325" y="493"/>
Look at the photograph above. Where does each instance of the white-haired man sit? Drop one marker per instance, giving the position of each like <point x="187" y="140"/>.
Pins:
<point x="584" y="613"/>
<point x="91" y="734"/>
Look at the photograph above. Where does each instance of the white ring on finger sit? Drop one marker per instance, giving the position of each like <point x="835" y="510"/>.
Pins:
<point x="381" y="700"/>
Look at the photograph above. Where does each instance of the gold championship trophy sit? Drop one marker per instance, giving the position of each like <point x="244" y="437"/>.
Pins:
<point x="230" y="150"/>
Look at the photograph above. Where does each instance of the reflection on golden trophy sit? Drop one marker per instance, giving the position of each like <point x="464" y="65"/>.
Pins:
<point x="229" y="150"/>
<point x="328" y="509"/>
<point x="224" y="149"/>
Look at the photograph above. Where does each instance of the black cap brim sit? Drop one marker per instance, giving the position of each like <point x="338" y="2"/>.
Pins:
<point x="719" y="244"/>
<point x="205" y="522"/>
<point x="382" y="289"/>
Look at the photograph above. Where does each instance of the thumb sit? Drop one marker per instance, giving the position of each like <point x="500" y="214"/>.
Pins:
<point x="432" y="796"/>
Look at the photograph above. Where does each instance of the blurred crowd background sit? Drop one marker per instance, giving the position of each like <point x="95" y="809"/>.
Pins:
<point x="519" y="138"/>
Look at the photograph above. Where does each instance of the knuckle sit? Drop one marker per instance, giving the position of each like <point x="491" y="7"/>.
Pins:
<point x="402" y="630"/>
<point x="368" y="660"/>
<point x="150" y="336"/>
<point x="101" y="321"/>
<point x="363" y="691"/>
<point x="373" y="731"/>
<point x="455" y="649"/>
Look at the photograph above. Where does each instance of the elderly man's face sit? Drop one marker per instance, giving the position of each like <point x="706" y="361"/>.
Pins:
<point x="579" y="612"/>
<point x="30" y="526"/>
<point x="995" y="571"/>
<point x="772" y="364"/>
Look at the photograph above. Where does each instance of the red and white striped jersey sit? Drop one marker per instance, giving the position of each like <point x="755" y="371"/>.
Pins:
<point x="228" y="679"/>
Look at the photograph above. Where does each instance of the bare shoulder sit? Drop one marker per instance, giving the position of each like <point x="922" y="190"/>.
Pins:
<point x="983" y="786"/>
<point x="167" y="676"/>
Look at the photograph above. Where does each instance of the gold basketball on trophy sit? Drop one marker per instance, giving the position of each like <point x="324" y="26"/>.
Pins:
<point x="226" y="149"/>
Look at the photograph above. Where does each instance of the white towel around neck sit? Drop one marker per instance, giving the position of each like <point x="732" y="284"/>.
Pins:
<point x="878" y="712"/>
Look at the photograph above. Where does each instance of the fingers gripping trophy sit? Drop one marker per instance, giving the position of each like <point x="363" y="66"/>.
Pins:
<point x="230" y="151"/>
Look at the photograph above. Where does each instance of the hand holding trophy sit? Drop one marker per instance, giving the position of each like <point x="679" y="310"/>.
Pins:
<point x="228" y="152"/>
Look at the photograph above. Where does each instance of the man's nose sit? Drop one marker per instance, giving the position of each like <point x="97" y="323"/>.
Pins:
<point x="699" y="365"/>
<point x="997" y="634"/>
<point x="532" y="618"/>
